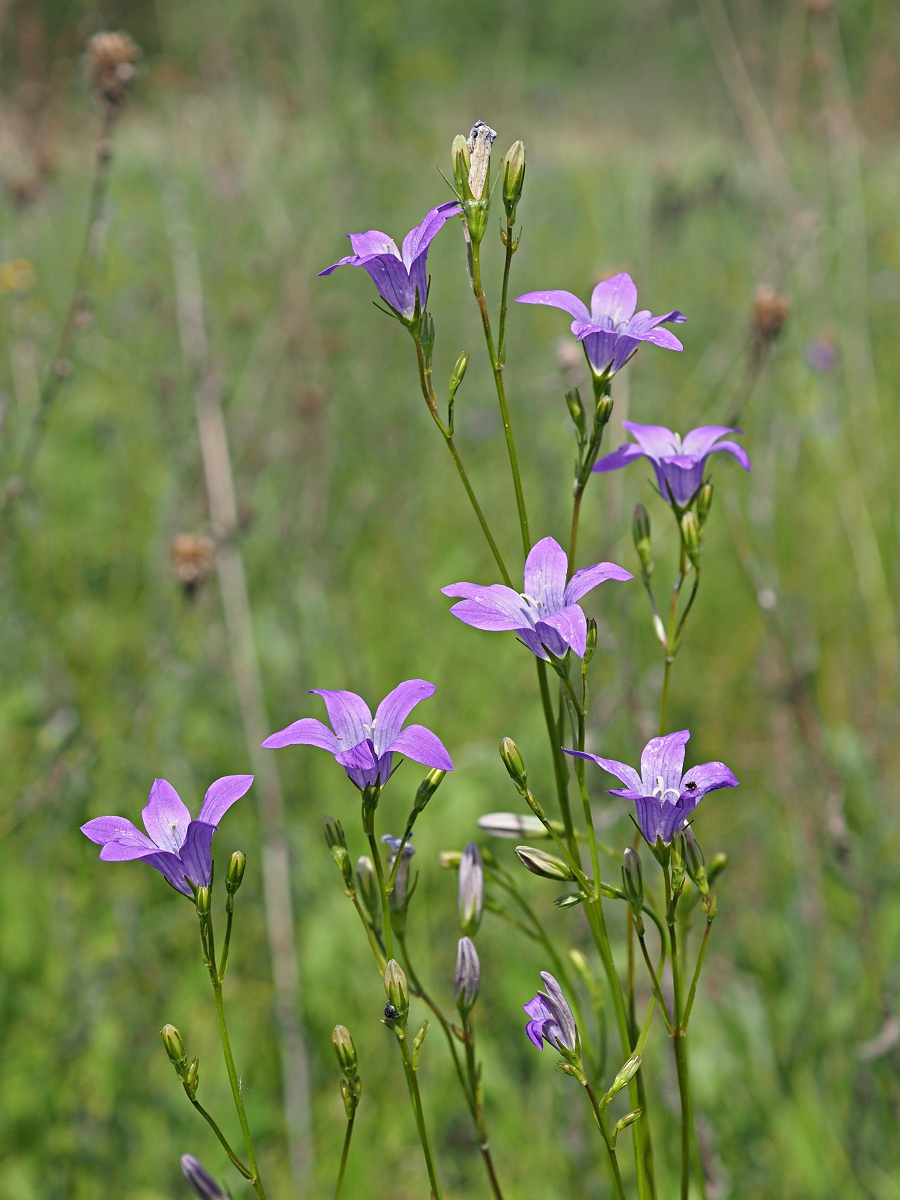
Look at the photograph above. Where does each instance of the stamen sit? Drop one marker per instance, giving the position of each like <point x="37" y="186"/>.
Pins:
<point x="660" y="791"/>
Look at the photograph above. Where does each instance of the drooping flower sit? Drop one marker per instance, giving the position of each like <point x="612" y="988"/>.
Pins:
<point x="551" y="1018"/>
<point x="365" y="747"/>
<point x="398" y="274"/>
<point x="679" y="462"/>
<point x="467" y="977"/>
<point x="471" y="889"/>
<point x="401" y="879"/>
<point x="546" y="616"/>
<point x="176" y="846"/>
<point x="611" y="331"/>
<point x="664" y="798"/>
<point x="202" y="1183"/>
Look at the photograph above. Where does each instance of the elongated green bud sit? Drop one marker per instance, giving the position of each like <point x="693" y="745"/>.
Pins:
<point x="191" y="1081"/>
<point x="640" y="532"/>
<point x="625" y="1075"/>
<point x="174" y="1048"/>
<point x="539" y="862"/>
<point x="368" y="886"/>
<point x="236" y="867"/>
<point x="450" y="859"/>
<point x="512" y="760"/>
<point x="513" y="179"/>
<point x="717" y="865"/>
<point x="203" y="901"/>
<point x="690" y="536"/>
<point x="397" y="991"/>
<point x="602" y="412"/>
<point x="334" y="833"/>
<point x="428" y="787"/>
<point x="695" y="862"/>
<point x="623" y="1123"/>
<point x="418" y="1039"/>
<point x="590" y="641"/>
<point x="459" y="157"/>
<point x="459" y="374"/>
<point x="704" y="503"/>
<point x="576" y="412"/>
<point x="344" y="1050"/>
<point x="633" y="885"/>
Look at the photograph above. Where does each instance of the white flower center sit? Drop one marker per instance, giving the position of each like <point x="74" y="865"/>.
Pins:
<point x="661" y="791"/>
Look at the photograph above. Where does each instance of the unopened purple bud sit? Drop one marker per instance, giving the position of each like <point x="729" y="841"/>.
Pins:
<point x="202" y="1183"/>
<point x="467" y="978"/>
<point x="471" y="890"/>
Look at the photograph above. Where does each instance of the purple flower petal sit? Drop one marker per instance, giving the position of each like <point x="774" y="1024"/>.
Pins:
<point x="588" y="578"/>
<point x="535" y="1032"/>
<point x="423" y="746"/>
<point x="562" y="1014"/>
<point x="533" y="641"/>
<point x="557" y="299"/>
<point x="615" y="297"/>
<point x="738" y="451"/>
<point x="655" y="440"/>
<point x="127" y="852"/>
<point x="546" y="568"/>
<point x="571" y="625"/>
<point x="421" y="236"/>
<point x="628" y="775"/>
<point x="305" y="732"/>
<point x="112" y="829"/>
<point x="220" y="796"/>
<point x="195" y="853"/>
<point x="495" y="607"/>
<point x="349" y="714"/>
<point x="619" y="458"/>
<point x="166" y="817"/>
<point x="372" y="243"/>
<point x="663" y="758"/>
<point x="679" y="476"/>
<point x="708" y="777"/>
<point x="393" y="283"/>
<point x="537" y="1009"/>
<point x="702" y="439"/>
<point x="395" y="708"/>
<point x="599" y="345"/>
<point x="658" y="337"/>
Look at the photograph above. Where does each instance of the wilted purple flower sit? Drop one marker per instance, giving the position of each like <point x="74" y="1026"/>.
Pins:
<point x="612" y="331"/>
<point x="398" y="274"/>
<point x="177" y="846"/>
<point x="546" y="614"/>
<point x="401" y="880"/>
<point x="663" y="796"/>
<point x="467" y="978"/>
<point x="200" y="1179"/>
<point x="471" y="889"/>
<point x="551" y="1018"/>
<point x="365" y="747"/>
<point x="679" y="462"/>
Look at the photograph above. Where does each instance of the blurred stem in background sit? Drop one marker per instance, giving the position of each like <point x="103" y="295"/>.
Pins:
<point x="247" y="680"/>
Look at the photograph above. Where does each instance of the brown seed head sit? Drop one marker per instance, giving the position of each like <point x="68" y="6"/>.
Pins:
<point x="771" y="310"/>
<point x="110" y="67"/>
<point x="192" y="560"/>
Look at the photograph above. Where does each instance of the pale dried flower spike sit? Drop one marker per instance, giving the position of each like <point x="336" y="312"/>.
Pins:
<point x="110" y="68"/>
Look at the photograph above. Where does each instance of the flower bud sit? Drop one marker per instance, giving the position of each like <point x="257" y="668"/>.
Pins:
<point x="397" y="992"/>
<point x="576" y="412"/>
<point x="717" y="865"/>
<point x="624" y="1122"/>
<point x="590" y="641"/>
<point x="200" y="1180"/>
<point x="334" y="833"/>
<point x="459" y="157"/>
<point x="512" y="760"/>
<point x="459" y="374"/>
<point x="471" y="890"/>
<point x="174" y="1048"/>
<point x="640" y="531"/>
<point x="344" y="1050"/>
<point x="512" y="825"/>
<point x="690" y="536"/>
<point x="191" y="1081"/>
<point x="368" y="886"/>
<point x="513" y="179"/>
<point x="236" y="867"/>
<point x="467" y="978"/>
<point x="203" y="900"/>
<point x="538" y="862"/>
<point x="418" y="1039"/>
<point x="625" y="1075"/>
<point x="695" y="862"/>
<point x="704" y="503"/>
<point x="602" y="413"/>
<point x="428" y="787"/>
<point x="677" y="861"/>
<point x="633" y="884"/>
<point x="450" y="859"/>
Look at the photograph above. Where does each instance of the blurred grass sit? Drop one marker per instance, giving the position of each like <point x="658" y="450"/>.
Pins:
<point x="289" y="126"/>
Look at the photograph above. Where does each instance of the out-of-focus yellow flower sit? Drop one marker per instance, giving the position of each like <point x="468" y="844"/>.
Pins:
<point x="16" y="276"/>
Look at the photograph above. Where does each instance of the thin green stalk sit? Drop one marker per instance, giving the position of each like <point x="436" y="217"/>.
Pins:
<point x="344" y="1153"/>
<point x="419" y="990"/>
<point x="475" y="1088"/>
<point x="511" y="245"/>
<point x="560" y="769"/>
<point x="416" y="1099"/>
<point x="613" y="1159"/>
<point x="693" y="989"/>
<point x="245" y="1171"/>
<point x="226" y="944"/>
<point x="680" y="1048"/>
<point x="385" y="897"/>
<point x="670" y="639"/>
<point x="370" y="933"/>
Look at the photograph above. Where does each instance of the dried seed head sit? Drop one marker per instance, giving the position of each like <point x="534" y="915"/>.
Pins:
<point x="110" y="68"/>
<point x="771" y="310"/>
<point x="192" y="560"/>
<point x="479" y="147"/>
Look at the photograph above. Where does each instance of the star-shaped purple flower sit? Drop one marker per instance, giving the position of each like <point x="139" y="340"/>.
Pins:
<point x="663" y="796"/>
<point x="546" y="616"/>
<point x="612" y="331"/>
<point x="177" y="846"/>
<point x="398" y="274"/>
<point x="679" y="462"/>
<point x="365" y="747"/>
<point x="551" y="1018"/>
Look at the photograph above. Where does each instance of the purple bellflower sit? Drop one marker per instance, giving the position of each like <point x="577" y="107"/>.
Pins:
<point x="546" y="616"/>
<point x="365" y="747"/>
<point x="679" y="462"/>
<point x="551" y="1018"/>
<point x="177" y="846"/>
<point x="664" y="798"/>
<point x="611" y="331"/>
<point x="202" y="1183"/>
<point x="399" y="275"/>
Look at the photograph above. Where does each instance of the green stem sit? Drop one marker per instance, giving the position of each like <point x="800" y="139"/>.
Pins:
<point x="344" y="1153"/>
<point x="419" y="990"/>
<point x="681" y="1060"/>
<point x="385" y="900"/>
<point x="416" y="1099"/>
<point x="370" y="933"/>
<point x="693" y="990"/>
<point x="560" y="769"/>
<point x="601" y="1121"/>
<point x="475" y="1088"/>
<point x="670" y="639"/>
<point x="245" y="1171"/>
<point x="510" y="245"/>
<point x="226" y="944"/>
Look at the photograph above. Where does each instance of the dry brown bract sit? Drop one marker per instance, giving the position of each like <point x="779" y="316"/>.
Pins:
<point x="110" y="66"/>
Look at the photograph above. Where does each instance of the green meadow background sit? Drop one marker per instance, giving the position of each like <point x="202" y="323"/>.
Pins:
<point x="709" y="151"/>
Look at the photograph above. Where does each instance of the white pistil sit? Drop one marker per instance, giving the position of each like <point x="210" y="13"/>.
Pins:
<point x="661" y="791"/>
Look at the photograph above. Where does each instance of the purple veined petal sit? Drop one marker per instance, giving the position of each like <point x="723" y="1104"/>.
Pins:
<point x="221" y="795"/>
<point x="737" y="451"/>
<point x="659" y="337"/>
<point x="673" y="817"/>
<point x="655" y="440"/>
<point x="395" y="708"/>
<point x="645" y="320"/>
<point x="392" y="280"/>
<point x="650" y="817"/>
<point x="562" y="1013"/>
<point x="305" y="732"/>
<point x="625" y="454"/>
<point x="372" y="242"/>
<point x="615" y="297"/>
<point x="626" y="345"/>
<point x="495" y="607"/>
<point x="195" y="853"/>
<point x="558" y="299"/>
<point x="702" y="439"/>
<point x="360" y="757"/>
<point x="628" y="775"/>
<point x="681" y="475"/>
<point x="420" y="236"/>
<point x="571" y="625"/>
<point x="172" y="870"/>
<point x="599" y="345"/>
<point x="533" y="642"/>
<point x="423" y="746"/>
<point x="708" y="777"/>
<point x="349" y="714"/>
<point x="165" y="816"/>
<point x="663" y="758"/>
<point x="537" y="1009"/>
<point x="588" y="578"/>
<point x="546" y="568"/>
<point x="534" y="1031"/>
<point x="116" y="829"/>
<point x="348" y="260"/>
